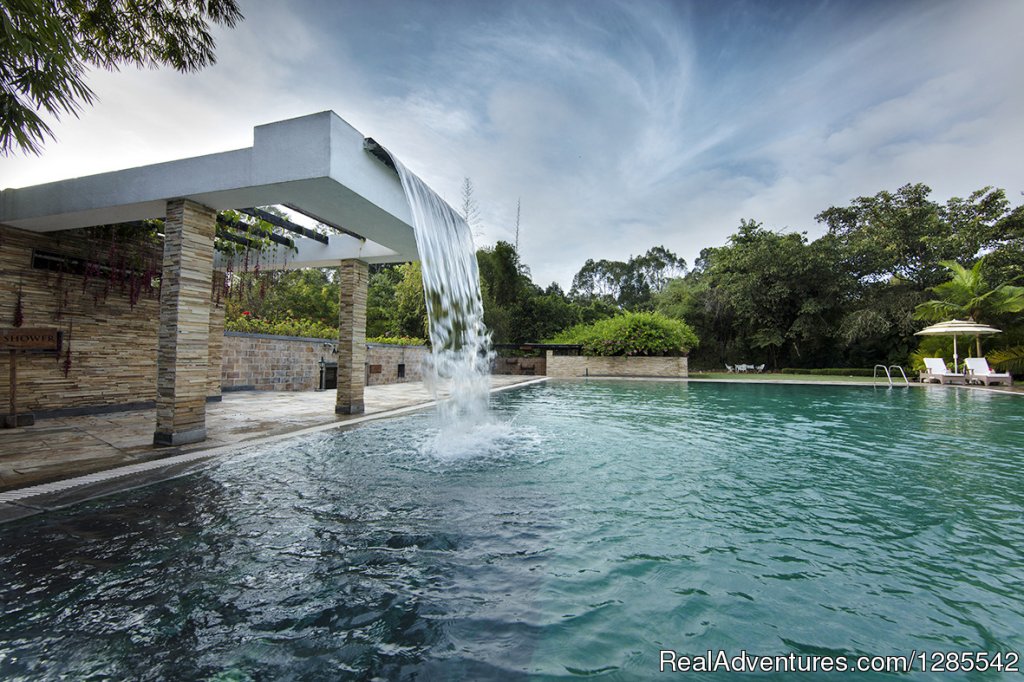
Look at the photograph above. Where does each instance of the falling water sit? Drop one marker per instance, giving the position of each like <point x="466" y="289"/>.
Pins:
<point x="461" y="347"/>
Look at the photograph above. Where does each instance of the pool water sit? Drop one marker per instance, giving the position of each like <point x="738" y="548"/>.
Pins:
<point x="592" y="526"/>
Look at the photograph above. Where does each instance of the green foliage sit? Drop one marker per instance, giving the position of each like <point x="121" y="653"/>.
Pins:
<point x="630" y="284"/>
<point x="410" y="307"/>
<point x="632" y="334"/>
<point x="380" y="301"/>
<point x="46" y="48"/>
<point x="847" y="298"/>
<point x="1008" y="359"/>
<point x="831" y="371"/>
<point x="286" y="327"/>
<point x="397" y="340"/>
<point x="515" y="309"/>
<point x="242" y="238"/>
<point x="904" y="234"/>
<point x="395" y="305"/>
<point x="764" y="297"/>
<point x="967" y="295"/>
<point x="310" y="294"/>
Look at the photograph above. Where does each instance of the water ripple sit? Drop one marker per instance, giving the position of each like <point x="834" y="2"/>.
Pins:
<point x="583" y="528"/>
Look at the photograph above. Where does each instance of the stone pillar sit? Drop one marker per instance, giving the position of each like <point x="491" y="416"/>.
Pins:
<point x="216" y="345"/>
<point x="184" y="344"/>
<point x="353" y="277"/>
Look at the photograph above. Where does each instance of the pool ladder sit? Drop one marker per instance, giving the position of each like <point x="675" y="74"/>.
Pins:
<point x="888" y="374"/>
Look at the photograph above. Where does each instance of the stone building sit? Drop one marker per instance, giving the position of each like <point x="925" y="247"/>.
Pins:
<point x="134" y="349"/>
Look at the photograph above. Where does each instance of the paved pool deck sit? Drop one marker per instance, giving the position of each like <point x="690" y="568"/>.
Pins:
<point x="39" y="458"/>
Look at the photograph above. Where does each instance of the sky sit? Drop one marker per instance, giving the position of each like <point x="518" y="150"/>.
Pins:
<point x="617" y="125"/>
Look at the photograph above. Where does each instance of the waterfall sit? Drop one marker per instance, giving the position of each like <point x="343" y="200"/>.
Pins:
<point x="460" y="345"/>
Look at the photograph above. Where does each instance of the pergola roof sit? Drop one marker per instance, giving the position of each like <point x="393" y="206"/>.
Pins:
<point x="315" y="165"/>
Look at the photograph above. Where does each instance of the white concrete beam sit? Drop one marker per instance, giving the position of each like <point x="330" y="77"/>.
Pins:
<point x="316" y="163"/>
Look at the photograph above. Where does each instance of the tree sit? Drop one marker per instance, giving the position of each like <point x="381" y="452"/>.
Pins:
<point x="966" y="295"/>
<point x="765" y="295"/>
<point x="504" y="287"/>
<point x="503" y="274"/>
<point x="630" y="284"/>
<point x="410" y="303"/>
<point x="308" y="294"/>
<point x="380" y="301"/>
<point x="904" y="234"/>
<point x="469" y="209"/>
<point x="46" y="47"/>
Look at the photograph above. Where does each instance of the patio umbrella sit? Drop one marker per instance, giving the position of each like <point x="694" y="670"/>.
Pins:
<point x="954" y="328"/>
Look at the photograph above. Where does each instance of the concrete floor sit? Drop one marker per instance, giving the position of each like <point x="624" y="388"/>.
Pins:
<point x="56" y="449"/>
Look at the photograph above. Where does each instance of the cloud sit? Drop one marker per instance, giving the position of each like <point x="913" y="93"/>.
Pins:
<point x="619" y="125"/>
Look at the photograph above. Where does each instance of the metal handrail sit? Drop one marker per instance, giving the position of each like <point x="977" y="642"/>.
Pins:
<point x="900" y="368"/>
<point x="888" y="374"/>
<point x="885" y="369"/>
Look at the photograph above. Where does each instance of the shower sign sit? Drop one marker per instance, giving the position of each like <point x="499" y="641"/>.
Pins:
<point x="22" y="339"/>
<point x="26" y="338"/>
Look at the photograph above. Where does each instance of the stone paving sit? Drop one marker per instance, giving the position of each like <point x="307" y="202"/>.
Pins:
<point x="55" y="449"/>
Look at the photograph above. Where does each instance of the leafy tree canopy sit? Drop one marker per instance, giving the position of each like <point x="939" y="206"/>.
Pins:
<point x="46" y="47"/>
<point x="629" y="284"/>
<point x="905" y="234"/>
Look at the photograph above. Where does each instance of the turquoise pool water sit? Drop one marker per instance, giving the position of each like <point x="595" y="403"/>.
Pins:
<point x="604" y="522"/>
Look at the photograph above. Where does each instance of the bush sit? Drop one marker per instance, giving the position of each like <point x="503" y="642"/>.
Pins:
<point x="286" y="327"/>
<point x="398" y="340"/>
<point x="307" y="329"/>
<point x="832" y="371"/>
<point x="632" y="334"/>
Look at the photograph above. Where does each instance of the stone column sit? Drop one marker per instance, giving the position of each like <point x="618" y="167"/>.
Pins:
<point x="353" y="277"/>
<point x="183" y="351"/>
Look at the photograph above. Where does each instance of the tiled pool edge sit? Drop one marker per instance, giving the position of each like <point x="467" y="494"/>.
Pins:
<point x="23" y="502"/>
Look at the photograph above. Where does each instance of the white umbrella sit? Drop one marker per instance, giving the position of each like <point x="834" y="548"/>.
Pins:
<point x="954" y="328"/>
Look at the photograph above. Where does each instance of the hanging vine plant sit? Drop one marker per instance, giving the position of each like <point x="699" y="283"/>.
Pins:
<point x="126" y="259"/>
<point x="19" y="307"/>
<point x="66" y="365"/>
<point x="243" y="242"/>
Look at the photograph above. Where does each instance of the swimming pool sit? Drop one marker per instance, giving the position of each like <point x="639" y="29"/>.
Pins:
<point x="603" y="522"/>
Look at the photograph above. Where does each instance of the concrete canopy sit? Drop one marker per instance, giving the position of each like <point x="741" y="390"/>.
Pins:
<point x="315" y="164"/>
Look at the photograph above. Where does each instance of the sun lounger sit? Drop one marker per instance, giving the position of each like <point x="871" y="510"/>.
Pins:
<point x="936" y="371"/>
<point x="979" y="371"/>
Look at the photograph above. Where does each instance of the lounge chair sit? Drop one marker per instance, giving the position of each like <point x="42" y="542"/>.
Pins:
<point x="979" y="371"/>
<point x="936" y="370"/>
<point x="730" y="369"/>
<point x="759" y="368"/>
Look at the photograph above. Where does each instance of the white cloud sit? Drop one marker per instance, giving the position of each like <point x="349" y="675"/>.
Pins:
<point x="619" y="125"/>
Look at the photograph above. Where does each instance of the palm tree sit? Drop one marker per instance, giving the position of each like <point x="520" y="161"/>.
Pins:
<point x="1009" y="359"/>
<point x="967" y="296"/>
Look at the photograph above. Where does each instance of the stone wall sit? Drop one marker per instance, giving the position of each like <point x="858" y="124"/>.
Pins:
<point x="113" y="343"/>
<point x="583" y="365"/>
<point x="532" y="366"/>
<point x="263" y="362"/>
<point x="383" y="360"/>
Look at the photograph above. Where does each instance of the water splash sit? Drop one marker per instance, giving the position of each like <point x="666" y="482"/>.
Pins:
<point x="461" y="353"/>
